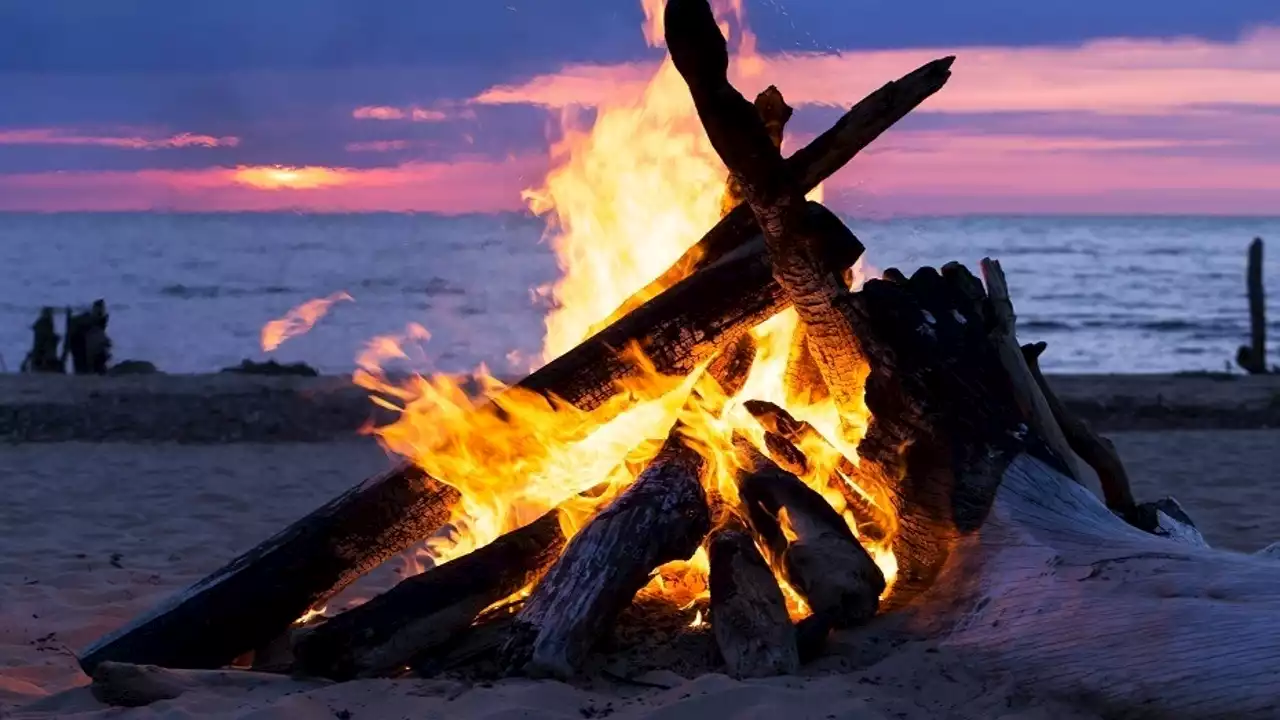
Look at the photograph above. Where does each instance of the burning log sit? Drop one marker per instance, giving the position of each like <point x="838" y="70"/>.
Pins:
<point x="661" y="517"/>
<point x="809" y="166"/>
<point x="785" y="434"/>
<point x="428" y="610"/>
<point x="810" y="542"/>
<point x="732" y="366"/>
<point x="803" y="381"/>
<point x="774" y="194"/>
<point x="748" y="612"/>
<point x="683" y="326"/>
<point x="257" y="596"/>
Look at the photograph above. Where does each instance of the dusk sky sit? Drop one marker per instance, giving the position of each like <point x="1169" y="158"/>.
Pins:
<point x="1090" y="106"/>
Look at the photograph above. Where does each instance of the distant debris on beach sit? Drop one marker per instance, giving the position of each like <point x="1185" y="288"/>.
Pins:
<point x="271" y="367"/>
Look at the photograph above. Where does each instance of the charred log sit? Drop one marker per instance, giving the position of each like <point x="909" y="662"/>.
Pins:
<point x="810" y="543"/>
<point x="784" y="435"/>
<point x="429" y="610"/>
<point x="774" y="195"/>
<point x="661" y="517"/>
<point x="685" y="325"/>
<point x="732" y="366"/>
<point x="257" y="596"/>
<point x="748" y="611"/>
<point x="810" y="165"/>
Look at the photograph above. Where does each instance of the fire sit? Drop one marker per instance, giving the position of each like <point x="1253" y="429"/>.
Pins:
<point x="298" y="320"/>
<point x="626" y="197"/>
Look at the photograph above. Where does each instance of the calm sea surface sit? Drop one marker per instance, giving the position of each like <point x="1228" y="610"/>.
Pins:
<point x="191" y="292"/>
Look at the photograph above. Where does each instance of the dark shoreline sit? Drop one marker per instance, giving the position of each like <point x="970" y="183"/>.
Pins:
<point x="230" y="408"/>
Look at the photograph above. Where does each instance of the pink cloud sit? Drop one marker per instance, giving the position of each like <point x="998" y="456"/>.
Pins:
<point x="1132" y="76"/>
<point x="53" y="136"/>
<point x="376" y="146"/>
<point x="465" y="185"/>
<point x="415" y="114"/>
<point x="923" y="173"/>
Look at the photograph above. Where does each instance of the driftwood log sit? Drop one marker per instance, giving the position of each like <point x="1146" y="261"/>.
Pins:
<point x="663" y="516"/>
<point x="809" y="542"/>
<point x="257" y="596"/>
<point x="749" y="617"/>
<point x="1253" y="357"/>
<point x="1001" y="555"/>
<point x="429" y="610"/>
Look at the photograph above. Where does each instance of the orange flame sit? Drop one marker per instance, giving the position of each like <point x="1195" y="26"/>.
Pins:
<point x="626" y="197"/>
<point x="298" y="321"/>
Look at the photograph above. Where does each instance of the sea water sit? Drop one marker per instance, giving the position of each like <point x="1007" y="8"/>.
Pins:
<point x="191" y="293"/>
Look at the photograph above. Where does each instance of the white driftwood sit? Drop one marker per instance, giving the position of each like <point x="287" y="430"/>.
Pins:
<point x="1073" y="601"/>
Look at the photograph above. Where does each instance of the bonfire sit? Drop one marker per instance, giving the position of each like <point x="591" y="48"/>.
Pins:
<point x="739" y="425"/>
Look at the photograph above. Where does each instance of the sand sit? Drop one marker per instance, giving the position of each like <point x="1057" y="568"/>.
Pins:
<point x="92" y="533"/>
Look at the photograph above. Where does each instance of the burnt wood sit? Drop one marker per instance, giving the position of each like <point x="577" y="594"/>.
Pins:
<point x="661" y="517"/>
<point x="429" y="610"/>
<point x="749" y="617"/>
<point x="257" y="596"/>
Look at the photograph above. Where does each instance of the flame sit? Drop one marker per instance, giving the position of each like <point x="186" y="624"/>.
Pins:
<point x="626" y="197"/>
<point x="298" y="320"/>
<point x="697" y="620"/>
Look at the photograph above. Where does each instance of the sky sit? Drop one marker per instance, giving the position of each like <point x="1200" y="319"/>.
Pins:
<point x="1089" y="106"/>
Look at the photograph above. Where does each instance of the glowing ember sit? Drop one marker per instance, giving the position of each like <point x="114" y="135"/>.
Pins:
<point x="626" y="197"/>
<point x="298" y="320"/>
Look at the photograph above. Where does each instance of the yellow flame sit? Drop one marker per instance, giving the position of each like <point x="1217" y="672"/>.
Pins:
<point x="626" y="197"/>
<point x="298" y="321"/>
<point x="697" y="620"/>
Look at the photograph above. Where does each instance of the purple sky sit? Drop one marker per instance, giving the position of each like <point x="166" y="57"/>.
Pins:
<point x="1089" y="106"/>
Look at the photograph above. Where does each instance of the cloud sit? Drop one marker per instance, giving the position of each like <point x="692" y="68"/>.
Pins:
<point x="55" y="136"/>
<point x="415" y="114"/>
<point x="464" y="185"/>
<point x="1131" y="76"/>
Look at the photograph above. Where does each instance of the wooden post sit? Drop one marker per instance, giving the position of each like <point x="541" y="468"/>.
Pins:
<point x="1253" y="357"/>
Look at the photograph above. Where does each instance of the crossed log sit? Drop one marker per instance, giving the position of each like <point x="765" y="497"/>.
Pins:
<point x="1001" y="553"/>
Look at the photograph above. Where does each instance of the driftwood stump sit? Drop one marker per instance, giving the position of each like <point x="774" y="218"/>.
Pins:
<point x="1253" y="357"/>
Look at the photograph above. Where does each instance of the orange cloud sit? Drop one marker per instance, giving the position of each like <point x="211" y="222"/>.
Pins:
<point x="465" y="185"/>
<point x="1132" y="76"/>
<point x="51" y="136"/>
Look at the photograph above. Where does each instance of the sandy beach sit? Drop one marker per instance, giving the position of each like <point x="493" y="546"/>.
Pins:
<point x="120" y="491"/>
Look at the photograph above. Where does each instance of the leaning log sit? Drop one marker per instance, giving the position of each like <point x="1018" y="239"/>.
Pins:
<point x="428" y="610"/>
<point x="661" y="517"/>
<point x="775" y="196"/>
<point x="809" y="542"/>
<point x="1253" y="357"/>
<point x="257" y="596"/>
<point x="748" y="611"/>
<point x="685" y="325"/>
<point x="810" y="165"/>
<point x="1004" y="559"/>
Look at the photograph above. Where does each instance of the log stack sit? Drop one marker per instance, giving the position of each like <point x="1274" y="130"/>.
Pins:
<point x="1000" y="551"/>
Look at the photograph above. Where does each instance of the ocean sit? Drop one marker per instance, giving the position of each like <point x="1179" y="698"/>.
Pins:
<point x="191" y="293"/>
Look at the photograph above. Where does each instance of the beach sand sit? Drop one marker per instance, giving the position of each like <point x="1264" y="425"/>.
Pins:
<point x="98" y="525"/>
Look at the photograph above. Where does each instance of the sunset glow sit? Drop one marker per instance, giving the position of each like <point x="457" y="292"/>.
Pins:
<point x="279" y="177"/>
